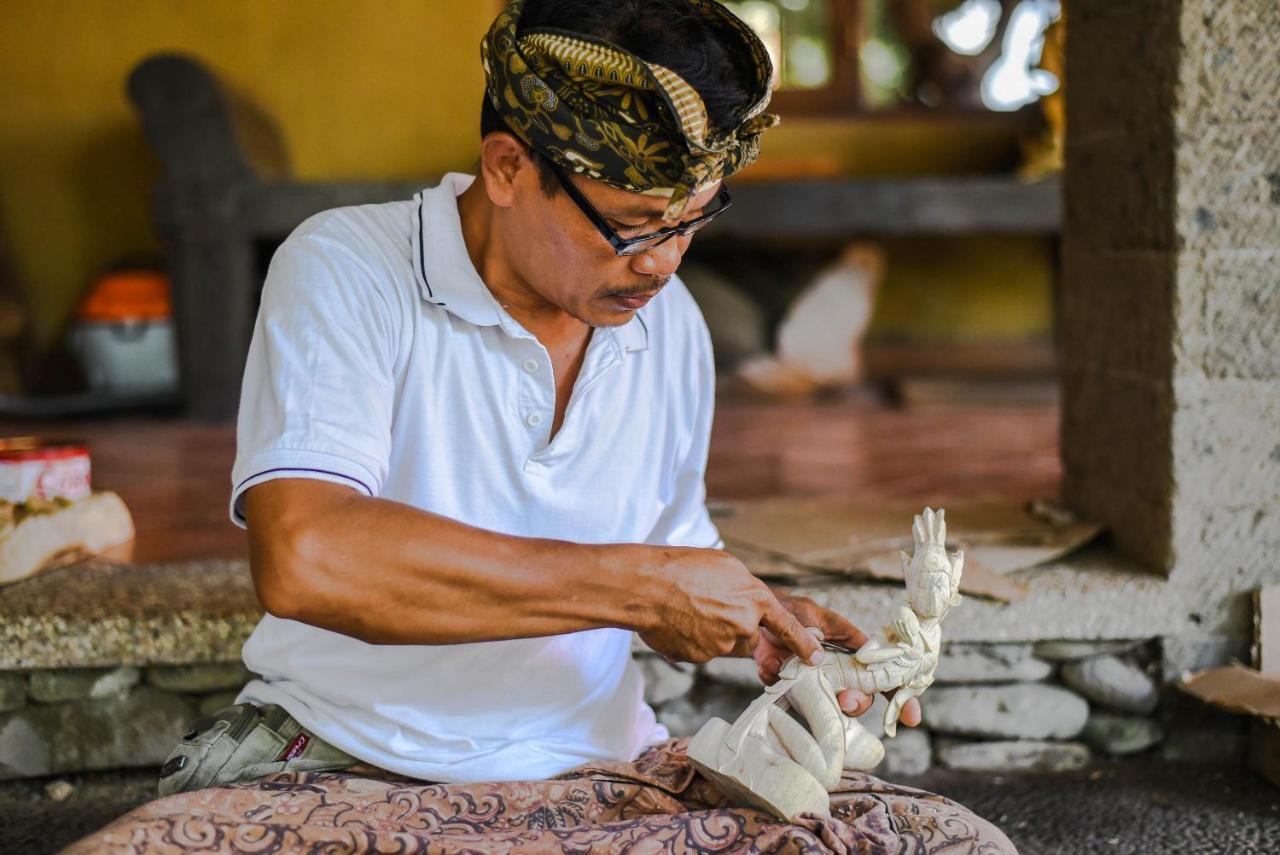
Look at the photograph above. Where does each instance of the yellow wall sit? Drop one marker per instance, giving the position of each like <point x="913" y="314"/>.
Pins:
<point x="360" y="89"/>
<point x="966" y="289"/>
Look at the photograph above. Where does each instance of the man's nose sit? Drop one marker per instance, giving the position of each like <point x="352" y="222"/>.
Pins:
<point x="663" y="259"/>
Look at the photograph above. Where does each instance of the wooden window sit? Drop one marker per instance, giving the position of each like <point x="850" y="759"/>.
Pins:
<point x="845" y="57"/>
<point x="814" y="46"/>
<point x="876" y="57"/>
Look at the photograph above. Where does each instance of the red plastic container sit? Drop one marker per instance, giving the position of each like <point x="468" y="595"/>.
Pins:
<point x="44" y="469"/>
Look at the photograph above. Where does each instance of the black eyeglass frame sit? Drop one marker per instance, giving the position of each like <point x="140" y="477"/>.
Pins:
<point x="641" y="243"/>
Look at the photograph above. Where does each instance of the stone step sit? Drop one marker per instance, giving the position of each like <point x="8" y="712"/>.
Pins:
<point x="128" y="730"/>
<point x="97" y="615"/>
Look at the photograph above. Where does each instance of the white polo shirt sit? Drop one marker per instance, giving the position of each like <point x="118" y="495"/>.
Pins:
<point x="381" y="361"/>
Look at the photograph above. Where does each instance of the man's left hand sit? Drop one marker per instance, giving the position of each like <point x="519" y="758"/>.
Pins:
<point x="827" y="625"/>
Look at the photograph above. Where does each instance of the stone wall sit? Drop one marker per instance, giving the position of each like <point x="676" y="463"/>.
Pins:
<point x="1049" y="706"/>
<point x="81" y="687"/>
<point x="78" y="719"/>
<point x="1170" y="300"/>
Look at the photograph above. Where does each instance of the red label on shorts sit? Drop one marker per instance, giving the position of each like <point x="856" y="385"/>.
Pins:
<point x="296" y="747"/>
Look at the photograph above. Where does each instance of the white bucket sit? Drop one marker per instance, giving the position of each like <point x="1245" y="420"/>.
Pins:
<point x="127" y="357"/>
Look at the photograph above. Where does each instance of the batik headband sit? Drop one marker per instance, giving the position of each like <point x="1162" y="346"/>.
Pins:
<point x="599" y="110"/>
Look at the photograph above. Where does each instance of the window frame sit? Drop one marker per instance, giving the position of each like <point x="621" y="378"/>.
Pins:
<point x="842" y="98"/>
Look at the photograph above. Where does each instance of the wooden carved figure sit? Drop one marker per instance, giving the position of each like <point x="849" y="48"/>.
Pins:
<point x="767" y="759"/>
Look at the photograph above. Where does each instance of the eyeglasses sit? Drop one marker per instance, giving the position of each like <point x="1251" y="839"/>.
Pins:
<point x="636" y="245"/>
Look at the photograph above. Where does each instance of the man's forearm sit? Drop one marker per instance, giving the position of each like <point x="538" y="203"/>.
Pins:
<point x="388" y="573"/>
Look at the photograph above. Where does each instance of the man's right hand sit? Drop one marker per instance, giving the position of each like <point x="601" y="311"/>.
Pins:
<point x="706" y="603"/>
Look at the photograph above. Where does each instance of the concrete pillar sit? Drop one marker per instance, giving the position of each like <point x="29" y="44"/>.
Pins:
<point x="1170" y="303"/>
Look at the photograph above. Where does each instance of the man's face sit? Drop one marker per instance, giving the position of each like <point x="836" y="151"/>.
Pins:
<point x="563" y="257"/>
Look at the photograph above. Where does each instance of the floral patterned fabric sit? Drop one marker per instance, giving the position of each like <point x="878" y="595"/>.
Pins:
<point x="657" y="804"/>
<point x="599" y="110"/>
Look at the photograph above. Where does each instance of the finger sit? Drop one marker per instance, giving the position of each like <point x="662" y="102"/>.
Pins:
<point x="809" y="612"/>
<point x="791" y="632"/>
<point x="833" y="625"/>
<point x="853" y="702"/>
<point x="836" y="628"/>
<point x="768" y="670"/>
<point x="746" y="647"/>
<point x="770" y="656"/>
<point x="910" y="715"/>
<point x="766" y="649"/>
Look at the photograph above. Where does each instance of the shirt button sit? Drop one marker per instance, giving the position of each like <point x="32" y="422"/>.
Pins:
<point x="530" y="365"/>
<point x="533" y="419"/>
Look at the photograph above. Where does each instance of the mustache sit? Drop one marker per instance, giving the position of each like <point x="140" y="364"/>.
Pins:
<point x="647" y="287"/>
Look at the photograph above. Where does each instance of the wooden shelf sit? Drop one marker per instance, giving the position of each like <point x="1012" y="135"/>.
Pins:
<point x="879" y="207"/>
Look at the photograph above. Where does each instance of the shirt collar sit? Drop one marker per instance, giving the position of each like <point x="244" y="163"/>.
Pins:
<point x="447" y="278"/>
<point x="634" y="334"/>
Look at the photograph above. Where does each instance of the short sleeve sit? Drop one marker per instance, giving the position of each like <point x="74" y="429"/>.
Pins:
<point x="685" y="521"/>
<point x="318" y="391"/>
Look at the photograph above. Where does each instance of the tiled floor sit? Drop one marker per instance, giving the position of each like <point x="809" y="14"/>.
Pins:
<point x="877" y="452"/>
<point x="175" y="475"/>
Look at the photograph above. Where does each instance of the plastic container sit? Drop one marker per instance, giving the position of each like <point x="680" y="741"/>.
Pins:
<point x="124" y="335"/>
<point x="32" y="468"/>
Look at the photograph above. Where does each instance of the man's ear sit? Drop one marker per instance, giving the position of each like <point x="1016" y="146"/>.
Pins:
<point x="504" y="164"/>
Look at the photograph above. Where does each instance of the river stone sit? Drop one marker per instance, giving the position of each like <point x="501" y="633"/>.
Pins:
<point x="733" y="671"/>
<point x="908" y="753"/>
<point x="73" y="684"/>
<point x="1013" y="711"/>
<point x="133" y="730"/>
<point x="1121" y="734"/>
<point x="685" y="715"/>
<point x="990" y="663"/>
<point x="59" y="790"/>
<point x="1011" y="756"/>
<point x="199" y="678"/>
<point x="1113" y="683"/>
<point x="13" y="691"/>
<point x="1067" y="651"/>
<point x="663" y="681"/>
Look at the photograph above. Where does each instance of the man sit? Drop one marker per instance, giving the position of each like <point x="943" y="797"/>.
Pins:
<point x="471" y="446"/>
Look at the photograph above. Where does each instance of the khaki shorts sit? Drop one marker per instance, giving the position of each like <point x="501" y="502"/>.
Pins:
<point x="242" y="743"/>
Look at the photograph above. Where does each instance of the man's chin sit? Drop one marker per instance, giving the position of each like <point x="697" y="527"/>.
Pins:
<point x="609" y="319"/>
<point x="607" y="311"/>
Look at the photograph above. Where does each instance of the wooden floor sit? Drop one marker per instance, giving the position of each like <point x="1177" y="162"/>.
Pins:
<point x="175" y="475"/>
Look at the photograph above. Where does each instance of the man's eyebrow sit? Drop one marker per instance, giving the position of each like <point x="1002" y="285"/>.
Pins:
<point x="637" y="209"/>
<point x="631" y="211"/>
<point x="647" y="214"/>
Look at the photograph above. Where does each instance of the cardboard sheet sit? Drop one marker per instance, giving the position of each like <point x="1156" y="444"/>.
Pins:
<point x="1266" y="622"/>
<point x="795" y="539"/>
<point x="1237" y="689"/>
<point x="1253" y="693"/>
